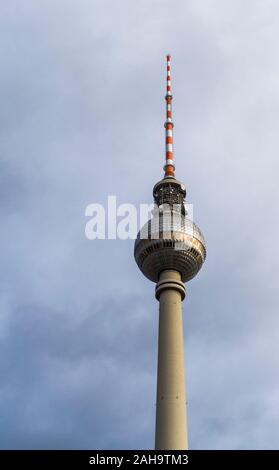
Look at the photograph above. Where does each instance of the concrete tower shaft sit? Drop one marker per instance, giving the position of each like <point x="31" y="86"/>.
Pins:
<point x="171" y="428"/>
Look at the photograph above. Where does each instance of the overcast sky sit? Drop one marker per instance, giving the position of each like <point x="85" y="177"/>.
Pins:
<point x="82" y="87"/>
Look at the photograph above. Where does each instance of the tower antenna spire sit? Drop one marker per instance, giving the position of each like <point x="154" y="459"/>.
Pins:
<point x="169" y="166"/>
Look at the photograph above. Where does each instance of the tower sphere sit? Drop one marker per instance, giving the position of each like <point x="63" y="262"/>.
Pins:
<point x="170" y="240"/>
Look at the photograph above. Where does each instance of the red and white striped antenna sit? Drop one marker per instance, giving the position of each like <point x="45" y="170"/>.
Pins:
<point x="169" y="166"/>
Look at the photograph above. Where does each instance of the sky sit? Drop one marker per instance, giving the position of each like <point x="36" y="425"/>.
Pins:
<point x="82" y="87"/>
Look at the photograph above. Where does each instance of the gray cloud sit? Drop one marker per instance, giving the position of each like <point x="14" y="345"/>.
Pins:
<point x="82" y="110"/>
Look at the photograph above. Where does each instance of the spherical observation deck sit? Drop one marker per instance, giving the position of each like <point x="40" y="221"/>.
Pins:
<point x="169" y="241"/>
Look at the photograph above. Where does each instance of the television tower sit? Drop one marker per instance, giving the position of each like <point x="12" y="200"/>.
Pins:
<point x="170" y="250"/>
